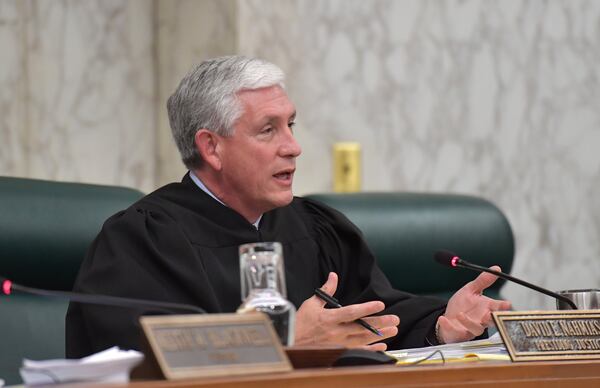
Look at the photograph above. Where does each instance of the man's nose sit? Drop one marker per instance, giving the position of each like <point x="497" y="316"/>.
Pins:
<point x="290" y="146"/>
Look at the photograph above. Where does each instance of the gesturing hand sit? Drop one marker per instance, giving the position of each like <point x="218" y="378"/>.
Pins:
<point x="316" y="325"/>
<point x="468" y="312"/>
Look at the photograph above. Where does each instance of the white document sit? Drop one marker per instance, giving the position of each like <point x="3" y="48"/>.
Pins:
<point x="109" y="366"/>
<point x="492" y="346"/>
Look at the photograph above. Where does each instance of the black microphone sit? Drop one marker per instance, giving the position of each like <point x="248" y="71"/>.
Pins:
<point x="8" y="286"/>
<point x="451" y="259"/>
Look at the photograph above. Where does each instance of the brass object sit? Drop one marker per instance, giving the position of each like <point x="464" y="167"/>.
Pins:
<point x="550" y="335"/>
<point x="209" y="345"/>
<point x="346" y="167"/>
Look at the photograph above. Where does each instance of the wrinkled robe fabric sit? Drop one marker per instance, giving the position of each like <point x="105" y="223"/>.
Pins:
<point x="179" y="245"/>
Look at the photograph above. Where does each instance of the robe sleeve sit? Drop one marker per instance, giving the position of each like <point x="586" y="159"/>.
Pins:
<point x="344" y="251"/>
<point x="139" y="253"/>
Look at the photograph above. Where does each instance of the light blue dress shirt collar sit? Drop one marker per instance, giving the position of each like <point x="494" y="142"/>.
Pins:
<point x="201" y="185"/>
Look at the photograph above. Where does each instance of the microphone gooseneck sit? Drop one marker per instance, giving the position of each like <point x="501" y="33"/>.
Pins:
<point x="450" y="259"/>
<point x="8" y="286"/>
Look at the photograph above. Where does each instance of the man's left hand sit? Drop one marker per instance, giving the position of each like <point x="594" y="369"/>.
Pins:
<point x="468" y="312"/>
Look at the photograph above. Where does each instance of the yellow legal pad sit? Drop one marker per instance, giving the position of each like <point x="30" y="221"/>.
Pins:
<point x="469" y="357"/>
<point x="488" y="349"/>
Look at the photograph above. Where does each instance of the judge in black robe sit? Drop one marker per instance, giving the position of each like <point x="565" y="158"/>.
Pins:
<point x="233" y="123"/>
<point x="180" y="245"/>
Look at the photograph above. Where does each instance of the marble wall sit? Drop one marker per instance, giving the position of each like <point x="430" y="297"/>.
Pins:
<point x="77" y="91"/>
<point x="188" y="31"/>
<point x="494" y="98"/>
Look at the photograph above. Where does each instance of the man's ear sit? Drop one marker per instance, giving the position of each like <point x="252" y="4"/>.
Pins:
<point x="207" y="144"/>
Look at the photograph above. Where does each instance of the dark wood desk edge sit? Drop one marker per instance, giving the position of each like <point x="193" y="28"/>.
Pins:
<point x="581" y="373"/>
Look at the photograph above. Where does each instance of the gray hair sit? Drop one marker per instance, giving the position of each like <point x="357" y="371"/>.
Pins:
<point x="207" y="98"/>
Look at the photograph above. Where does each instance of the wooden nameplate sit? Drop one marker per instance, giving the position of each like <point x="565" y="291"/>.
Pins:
<point x="191" y="346"/>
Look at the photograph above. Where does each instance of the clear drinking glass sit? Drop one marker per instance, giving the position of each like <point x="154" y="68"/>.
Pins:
<point x="263" y="286"/>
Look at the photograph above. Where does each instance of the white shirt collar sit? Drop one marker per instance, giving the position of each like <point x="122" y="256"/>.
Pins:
<point x="203" y="187"/>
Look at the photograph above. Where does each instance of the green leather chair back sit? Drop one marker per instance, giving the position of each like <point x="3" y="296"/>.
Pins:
<point x="404" y="230"/>
<point x="45" y="229"/>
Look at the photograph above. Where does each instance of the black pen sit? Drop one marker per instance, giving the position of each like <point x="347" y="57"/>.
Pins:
<point x="331" y="301"/>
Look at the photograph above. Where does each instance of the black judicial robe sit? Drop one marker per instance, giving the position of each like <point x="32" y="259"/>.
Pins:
<point x="179" y="245"/>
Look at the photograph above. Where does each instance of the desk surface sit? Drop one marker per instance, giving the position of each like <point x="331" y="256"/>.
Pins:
<point x="478" y="374"/>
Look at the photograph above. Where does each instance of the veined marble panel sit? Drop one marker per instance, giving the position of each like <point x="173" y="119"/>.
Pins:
<point x="13" y="115"/>
<point x="87" y="72"/>
<point x="188" y="32"/>
<point x="494" y="98"/>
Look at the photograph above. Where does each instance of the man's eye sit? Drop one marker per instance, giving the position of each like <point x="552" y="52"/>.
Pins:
<point x="267" y="130"/>
<point x="292" y="124"/>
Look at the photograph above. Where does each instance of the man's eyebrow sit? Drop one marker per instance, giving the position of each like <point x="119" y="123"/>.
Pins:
<point x="270" y="119"/>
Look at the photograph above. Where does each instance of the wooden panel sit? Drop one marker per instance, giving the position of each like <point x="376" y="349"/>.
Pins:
<point x="549" y="374"/>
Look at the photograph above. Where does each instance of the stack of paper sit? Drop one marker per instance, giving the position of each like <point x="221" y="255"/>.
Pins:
<point x="112" y="365"/>
<point x="489" y="349"/>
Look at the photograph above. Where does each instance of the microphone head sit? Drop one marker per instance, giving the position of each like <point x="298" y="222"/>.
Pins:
<point x="447" y="258"/>
<point x="6" y="286"/>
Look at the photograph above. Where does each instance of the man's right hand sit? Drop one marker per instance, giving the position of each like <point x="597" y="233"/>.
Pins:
<point x="316" y="325"/>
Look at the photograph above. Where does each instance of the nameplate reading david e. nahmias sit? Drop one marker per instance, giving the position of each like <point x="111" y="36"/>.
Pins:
<point x="187" y="346"/>
<point x="550" y="335"/>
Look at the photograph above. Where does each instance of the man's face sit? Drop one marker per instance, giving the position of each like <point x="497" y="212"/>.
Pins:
<point x="259" y="159"/>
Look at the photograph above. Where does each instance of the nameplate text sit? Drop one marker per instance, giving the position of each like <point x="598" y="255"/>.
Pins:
<point x="187" y="346"/>
<point x="550" y="335"/>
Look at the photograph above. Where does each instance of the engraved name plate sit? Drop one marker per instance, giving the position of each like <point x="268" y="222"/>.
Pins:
<point x="187" y="346"/>
<point x="550" y="335"/>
